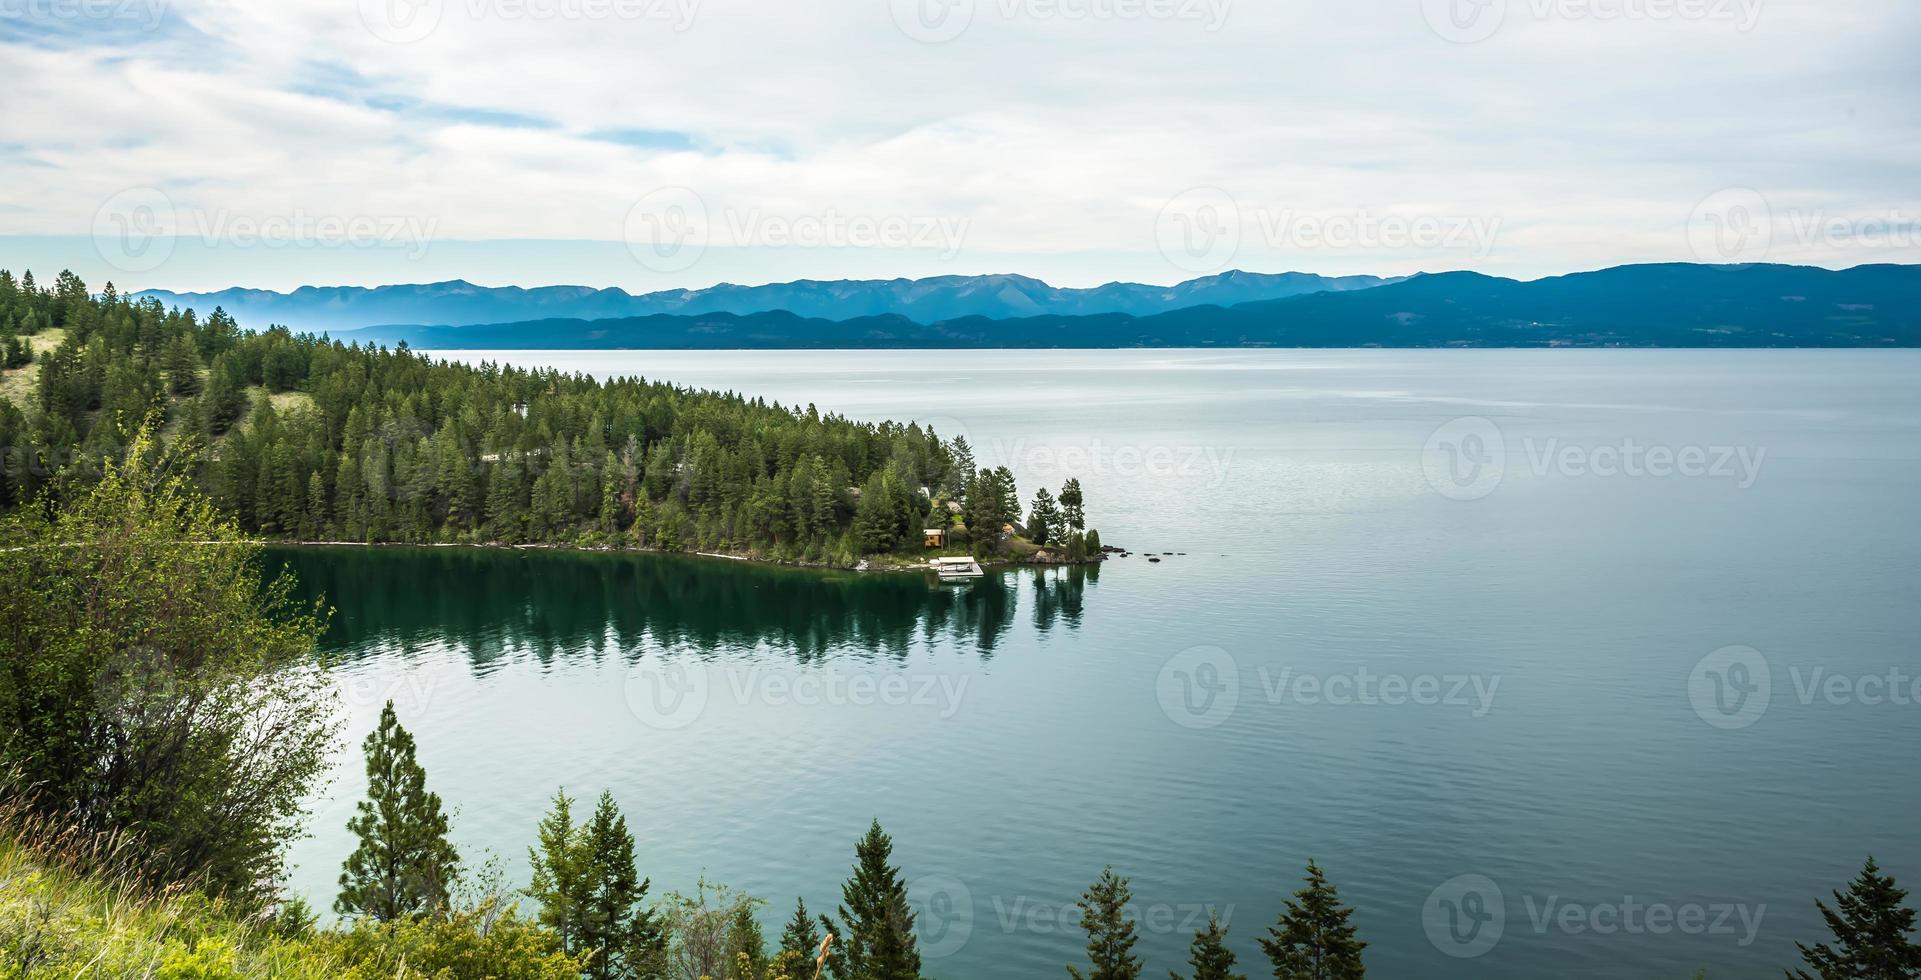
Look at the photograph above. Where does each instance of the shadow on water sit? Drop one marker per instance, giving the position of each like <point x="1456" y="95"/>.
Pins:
<point x="495" y="605"/>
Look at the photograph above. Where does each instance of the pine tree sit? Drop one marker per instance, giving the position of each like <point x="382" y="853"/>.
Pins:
<point x="962" y="472"/>
<point x="1110" y="934"/>
<point x="591" y="894"/>
<point x="560" y="873"/>
<point x="610" y="514"/>
<point x="1071" y="504"/>
<point x="1010" y="495"/>
<point x="313" y="523"/>
<point x="878" y="942"/>
<point x="1313" y="940"/>
<point x="1871" y="930"/>
<point x="615" y="921"/>
<point x="801" y="935"/>
<point x="1211" y="958"/>
<point x="746" y="947"/>
<point x="1043" y="518"/>
<point x="183" y="365"/>
<point x="404" y="865"/>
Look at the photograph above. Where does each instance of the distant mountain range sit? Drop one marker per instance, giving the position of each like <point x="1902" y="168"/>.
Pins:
<point x="1673" y="305"/>
<point x="458" y="303"/>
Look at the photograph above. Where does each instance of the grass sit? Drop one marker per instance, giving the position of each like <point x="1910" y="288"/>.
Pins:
<point x="283" y="402"/>
<point x="57" y="920"/>
<point x="66" y="913"/>
<point x="17" y="385"/>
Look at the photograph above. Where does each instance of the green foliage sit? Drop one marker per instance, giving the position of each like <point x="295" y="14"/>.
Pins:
<point x="1209" y="955"/>
<point x="489" y="941"/>
<point x="746" y="947"/>
<point x="404" y="864"/>
<point x="801" y="936"/>
<point x="1044" y="518"/>
<point x="559" y="865"/>
<point x="988" y="508"/>
<point x="152" y="685"/>
<point x="1872" y="933"/>
<point x="1110" y="933"/>
<point x="878" y="942"/>
<point x="591" y="894"/>
<point x="703" y="927"/>
<point x="408" y="449"/>
<point x="1072" y="502"/>
<point x="1313" y="940"/>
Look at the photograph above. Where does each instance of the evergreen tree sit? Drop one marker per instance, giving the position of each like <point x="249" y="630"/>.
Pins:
<point x="1110" y="933"/>
<point x="1871" y="930"/>
<point x="1313" y="940"/>
<point x="746" y="947"/>
<point x="801" y="935"/>
<point x="610" y="506"/>
<point x="1211" y="958"/>
<point x="1043" y="518"/>
<point x="961" y="473"/>
<point x="404" y="865"/>
<point x="226" y="396"/>
<point x="878" y="942"/>
<point x="591" y="894"/>
<point x="560" y="873"/>
<point x="183" y="365"/>
<point x="984" y="511"/>
<point x="313" y="523"/>
<point x="1010" y="495"/>
<point x="615" y="921"/>
<point x="1071" y="504"/>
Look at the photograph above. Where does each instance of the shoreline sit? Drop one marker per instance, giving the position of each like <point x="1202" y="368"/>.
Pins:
<point x="871" y="565"/>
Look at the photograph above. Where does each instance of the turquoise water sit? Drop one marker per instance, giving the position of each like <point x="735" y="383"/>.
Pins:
<point x="1484" y="633"/>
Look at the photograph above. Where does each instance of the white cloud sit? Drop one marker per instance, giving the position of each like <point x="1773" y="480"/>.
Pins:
<point x="1057" y="139"/>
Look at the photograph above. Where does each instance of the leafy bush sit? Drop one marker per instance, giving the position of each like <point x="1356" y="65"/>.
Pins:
<point x="491" y="941"/>
<point x="153" y="686"/>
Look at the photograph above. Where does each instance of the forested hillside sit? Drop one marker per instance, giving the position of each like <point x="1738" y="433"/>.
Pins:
<point x="313" y="439"/>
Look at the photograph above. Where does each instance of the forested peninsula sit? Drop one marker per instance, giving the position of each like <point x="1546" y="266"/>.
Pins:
<point x="305" y="438"/>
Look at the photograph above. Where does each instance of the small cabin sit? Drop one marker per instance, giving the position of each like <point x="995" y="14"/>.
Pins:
<point x="934" y="537"/>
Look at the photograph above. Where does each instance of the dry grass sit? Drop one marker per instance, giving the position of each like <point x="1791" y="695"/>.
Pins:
<point x="17" y="385"/>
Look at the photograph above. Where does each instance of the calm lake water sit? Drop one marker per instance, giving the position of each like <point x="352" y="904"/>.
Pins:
<point x="1561" y="663"/>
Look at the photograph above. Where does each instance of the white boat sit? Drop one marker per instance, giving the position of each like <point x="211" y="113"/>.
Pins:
<point x="956" y="569"/>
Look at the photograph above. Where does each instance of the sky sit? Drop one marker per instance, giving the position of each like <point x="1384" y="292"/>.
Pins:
<point x="653" y="144"/>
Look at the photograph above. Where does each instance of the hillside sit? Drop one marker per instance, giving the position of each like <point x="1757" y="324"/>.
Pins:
<point x="314" y="439"/>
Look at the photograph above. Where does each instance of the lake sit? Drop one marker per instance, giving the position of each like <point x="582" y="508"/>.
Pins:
<point x="1561" y="663"/>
